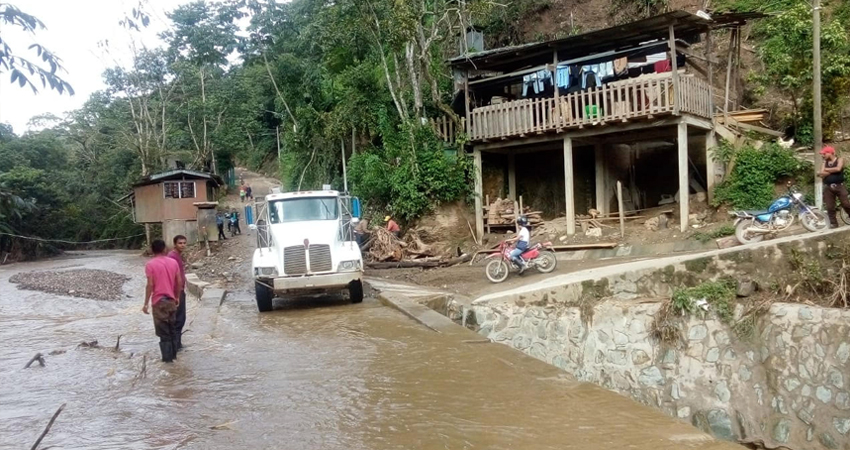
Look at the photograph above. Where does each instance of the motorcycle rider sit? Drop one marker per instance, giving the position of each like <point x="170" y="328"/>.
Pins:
<point x="521" y="239"/>
<point x="832" y="173"/>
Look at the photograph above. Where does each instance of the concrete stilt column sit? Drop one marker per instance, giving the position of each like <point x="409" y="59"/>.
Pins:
<point x="479" y="194"/>
<point x="568" y="183"/>
<point x="601" y="191"/>
<point x="512" y="194"/>
<point x="710" y="165"/>
<point x="684" y="185"/>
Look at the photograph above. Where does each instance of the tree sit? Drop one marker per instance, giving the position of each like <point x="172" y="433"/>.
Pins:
<point x="22" y="69"/>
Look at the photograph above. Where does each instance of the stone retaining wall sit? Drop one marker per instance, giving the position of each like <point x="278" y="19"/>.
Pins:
<point x="789" y="386"/>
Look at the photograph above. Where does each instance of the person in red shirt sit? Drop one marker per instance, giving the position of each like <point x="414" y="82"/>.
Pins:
<point x="176" y="254"/>
<point x="164" y="283"/>
<point x="392" y="226"/>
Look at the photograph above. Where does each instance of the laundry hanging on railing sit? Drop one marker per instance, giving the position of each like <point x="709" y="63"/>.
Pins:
<point x="537" y="81"/>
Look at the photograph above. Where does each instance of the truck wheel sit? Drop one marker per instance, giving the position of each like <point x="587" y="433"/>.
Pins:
<point x="355" y="291"/>
<point x="264" y="297"/>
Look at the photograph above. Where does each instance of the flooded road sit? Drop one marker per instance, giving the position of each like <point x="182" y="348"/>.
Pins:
<point x="315" y="374"/>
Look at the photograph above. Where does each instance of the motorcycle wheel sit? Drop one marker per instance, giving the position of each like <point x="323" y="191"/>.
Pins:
<point x="745" y="237"/>
<point x="814" y="220"/>
<point x="497" y="270"/>
<point x="546" y="262"/>
<point x="844" y="216"/>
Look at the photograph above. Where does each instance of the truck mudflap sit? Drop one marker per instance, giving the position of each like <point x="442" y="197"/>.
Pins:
<point x="310" y="282"/>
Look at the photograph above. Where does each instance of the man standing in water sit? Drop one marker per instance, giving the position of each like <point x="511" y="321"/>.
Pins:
<point x="164" y="282"/>
<point x="176" y="254"/>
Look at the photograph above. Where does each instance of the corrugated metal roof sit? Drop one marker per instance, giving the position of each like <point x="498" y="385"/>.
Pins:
<point x="179" y="174"/>
<point x="686" y="26"/>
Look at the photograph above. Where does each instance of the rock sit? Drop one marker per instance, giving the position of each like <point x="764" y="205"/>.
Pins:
<point x="842" y="401"/>
<point x="843" y="352"/>
<point x="675" y="392"/>
<point x="727" y="242"/>
<point x="72" y="292"/>
<point x="746" y="288"/>
<point x="782" y="430"/>
<point x="791" y="384"/>
<point x="842" y="425"/>
<point x="835" y="377"/>
<point x="683" y="412"/>
<point x="640" y="357"/>
<point x="827" y="441"/>
<point x="721" y="337"/>
<point x="720" y="424"/>
<point x="722" y="391"/>
<point x="233" y="258"/>
<point x="697" y="333"/>
<point x="730" y="355"/>
<point x="594" y="232"/>
<point x="805" y="313"/>
<point x="197" y="265"/>
<point x="824" y="394"/>
<point x="713" y="355"/>
<point x="564" y="238"/>
<point x="700" y="197"/>
<point x="617" y="357"/>
<point x="663" y="222"/>
<point x="744" y="373"/>
<point x="806" y="391"/>
<point x="651" y="224"/>
<point x="651" y="376"/>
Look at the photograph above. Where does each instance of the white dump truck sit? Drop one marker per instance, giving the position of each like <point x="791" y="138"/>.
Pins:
<point x="306" y="245"/>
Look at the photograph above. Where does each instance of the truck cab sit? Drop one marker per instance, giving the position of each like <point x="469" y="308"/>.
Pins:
<point x="306" y="245"/>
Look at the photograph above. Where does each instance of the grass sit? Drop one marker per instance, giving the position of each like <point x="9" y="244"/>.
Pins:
<point x="719" y="295"/>
<point x="723" y="231"/>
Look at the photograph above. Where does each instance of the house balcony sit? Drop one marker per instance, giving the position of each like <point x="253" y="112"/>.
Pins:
<point x="617" y="102"/>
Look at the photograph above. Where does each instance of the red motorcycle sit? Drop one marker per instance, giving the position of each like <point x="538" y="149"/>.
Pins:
<point x="538" y="256"/>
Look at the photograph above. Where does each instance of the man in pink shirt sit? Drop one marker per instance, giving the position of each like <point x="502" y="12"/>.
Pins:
<point x="164" y="283"/>
<point x="176" y="254"/>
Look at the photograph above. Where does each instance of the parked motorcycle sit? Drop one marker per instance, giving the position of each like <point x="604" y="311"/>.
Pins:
<point x="753" y="226"/>
<point x="538" y="256"/>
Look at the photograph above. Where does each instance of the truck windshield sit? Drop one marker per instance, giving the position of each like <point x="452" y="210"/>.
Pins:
<point x="304" y="209"/>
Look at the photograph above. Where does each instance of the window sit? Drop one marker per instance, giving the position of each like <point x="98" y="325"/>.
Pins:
<point x="179" y="189"/>
<point x="304" y="209"/>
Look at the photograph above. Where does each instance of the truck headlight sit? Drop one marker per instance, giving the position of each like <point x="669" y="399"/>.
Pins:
<point x="265" y="271"/>
<point x="349" y="266"/>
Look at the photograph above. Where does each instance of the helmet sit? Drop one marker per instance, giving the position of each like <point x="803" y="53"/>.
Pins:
<point x="387" y="219"/>
<point x="522" y="221"/>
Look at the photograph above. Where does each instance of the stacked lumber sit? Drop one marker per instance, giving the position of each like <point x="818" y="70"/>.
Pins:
<point x="752" y="116"/>
<point x="502" y="212"/>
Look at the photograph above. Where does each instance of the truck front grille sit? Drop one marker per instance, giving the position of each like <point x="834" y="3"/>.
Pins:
<point x="320" y="258"/>
<point x="295" y="259"/>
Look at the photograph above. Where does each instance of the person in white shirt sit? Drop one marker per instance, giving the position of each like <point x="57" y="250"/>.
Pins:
<point x="521" y="240"/>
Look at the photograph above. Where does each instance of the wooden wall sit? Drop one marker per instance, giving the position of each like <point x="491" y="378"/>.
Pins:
<point x="153" y="207"/>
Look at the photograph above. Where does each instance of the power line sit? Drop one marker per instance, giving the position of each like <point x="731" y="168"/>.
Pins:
<point x="69" y="242"/>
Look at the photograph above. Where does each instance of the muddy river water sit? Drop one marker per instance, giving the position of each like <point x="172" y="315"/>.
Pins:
<point x="317" y="374"/>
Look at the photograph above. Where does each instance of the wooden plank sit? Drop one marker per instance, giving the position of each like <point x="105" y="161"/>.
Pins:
<point x="620" y="209"/>
<point x="756" y="128"/>
<point x="576" y="247"/>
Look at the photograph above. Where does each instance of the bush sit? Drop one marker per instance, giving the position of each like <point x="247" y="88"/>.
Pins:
<point x="411" y="173"/>
<point x="751" y="184"/>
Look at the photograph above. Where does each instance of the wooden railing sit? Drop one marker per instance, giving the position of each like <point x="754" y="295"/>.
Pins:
<point x="445" y="128"/>
<point x="614" y="102"/>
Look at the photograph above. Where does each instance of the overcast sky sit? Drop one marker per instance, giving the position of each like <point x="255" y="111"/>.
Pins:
<point x="75" y="29"/>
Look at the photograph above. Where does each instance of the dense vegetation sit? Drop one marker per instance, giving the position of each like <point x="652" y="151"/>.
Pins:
<point x="306" y="78"/>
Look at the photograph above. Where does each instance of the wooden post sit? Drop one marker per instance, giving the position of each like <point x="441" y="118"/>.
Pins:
<point x="709" y="57"/>
<point x="520" y="210"/>
<point x="620" y="209"/>
<point x="710" y="164"/>
<point x="466" y="102"/>
<point x="568" y="185"/>
<point x="677" y="93"/>
<point x="479" y="189"/>
<point x="728" y="78"/>
<point x="601" y="192"/>
<point x="489" y="212"/>
<point x="684" y="185"/>
<point x="516" y="216"/>
<point x="147" y="235"/>
<point x="512" y="176"/>
<point x="557" y="119"/>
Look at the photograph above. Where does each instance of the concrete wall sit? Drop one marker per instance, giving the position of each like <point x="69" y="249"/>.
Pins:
<point x="172" y="228"/>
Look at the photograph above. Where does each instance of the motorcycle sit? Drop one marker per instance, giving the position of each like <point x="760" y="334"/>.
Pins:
<point x="538" y="256"/>
<point x="753" y="226"/>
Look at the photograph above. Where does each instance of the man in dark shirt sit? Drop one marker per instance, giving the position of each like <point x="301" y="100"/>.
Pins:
<point x="832" y="173"/>
<point x="176" y="254"/>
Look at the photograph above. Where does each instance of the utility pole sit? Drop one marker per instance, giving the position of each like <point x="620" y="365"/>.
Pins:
<point x="816" y="94"/>
<point x="277" y="135"/>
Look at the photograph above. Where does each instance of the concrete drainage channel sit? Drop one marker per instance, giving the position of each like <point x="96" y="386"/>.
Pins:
<point x="779" y="379"/>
